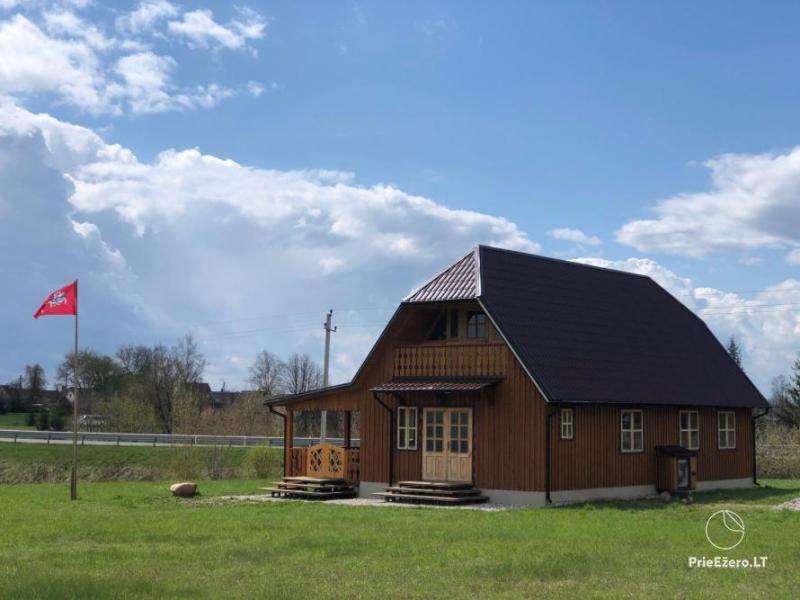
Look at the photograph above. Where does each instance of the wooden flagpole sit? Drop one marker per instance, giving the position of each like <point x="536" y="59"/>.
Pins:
<point x="73" y="487"/>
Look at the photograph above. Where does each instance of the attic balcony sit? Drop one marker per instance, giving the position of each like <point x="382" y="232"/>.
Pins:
<point x="450" y="360"/>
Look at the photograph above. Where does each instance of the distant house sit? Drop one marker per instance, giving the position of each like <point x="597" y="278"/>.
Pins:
<point x="541" y="380"/>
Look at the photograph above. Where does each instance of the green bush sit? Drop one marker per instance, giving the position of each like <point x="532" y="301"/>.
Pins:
<point x="30" y="419"/>
<point x="57" y="421"/>
<point x="261" y="462"/>
<point x="43" y="421"/>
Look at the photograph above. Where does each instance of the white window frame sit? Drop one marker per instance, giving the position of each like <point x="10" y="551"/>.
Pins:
<point x="630" y="432"/>
<point x="688" y="431"/>
<point x="566" y="425"/>
<point x="411" y="417"/>
<point x="729" y="430"/>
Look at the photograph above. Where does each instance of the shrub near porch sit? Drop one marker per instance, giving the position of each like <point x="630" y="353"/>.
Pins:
<point x="133" y="540"/>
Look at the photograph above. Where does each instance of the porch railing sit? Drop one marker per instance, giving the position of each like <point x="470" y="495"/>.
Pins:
<point x="299" y="462"/>
<point x="449" y="360"/>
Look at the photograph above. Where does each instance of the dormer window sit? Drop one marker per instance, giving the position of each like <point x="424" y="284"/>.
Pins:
<point x="446" y="326"/>
<point x="476" y="324"/>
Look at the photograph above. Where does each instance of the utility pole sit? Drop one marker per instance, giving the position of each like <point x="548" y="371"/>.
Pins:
<point x="323" y="423"/>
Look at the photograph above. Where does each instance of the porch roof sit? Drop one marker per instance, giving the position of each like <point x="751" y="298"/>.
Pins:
<point x="435" y="385"/>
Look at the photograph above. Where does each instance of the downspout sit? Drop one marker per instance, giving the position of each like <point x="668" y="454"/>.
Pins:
<point x="753" y="418"/>
<point x="548" y="455"/>
<point x="391" y="435"/>
<point x="282" y="416"/>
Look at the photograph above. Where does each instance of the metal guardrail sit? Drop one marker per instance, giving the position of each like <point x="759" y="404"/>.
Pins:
<point x="157" y="439"/>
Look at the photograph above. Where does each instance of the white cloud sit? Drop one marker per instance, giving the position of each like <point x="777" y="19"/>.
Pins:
<point x="574" y="235"/>
<point x="146" y="15"/>
<point x="200" y="29"/>
<point x="793" y="258"/>
<point x="31" y="61"/>
<point x="255" y="88"/>
<point x="753" y="203"/>
<point x="76" y="63"/>
<point x="188" y="240"/>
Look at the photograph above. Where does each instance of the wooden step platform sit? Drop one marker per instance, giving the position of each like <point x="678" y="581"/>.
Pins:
<point x="432" y="492"/>
<point x="311" y="488"/>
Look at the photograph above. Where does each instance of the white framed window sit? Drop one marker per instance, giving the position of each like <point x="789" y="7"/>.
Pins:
<point x="631" y="431"/>
<point x="726" y="429"/>
<point x="689" y="429"/>
<point x="407" y="428"/>
<point x="566" y="419"/>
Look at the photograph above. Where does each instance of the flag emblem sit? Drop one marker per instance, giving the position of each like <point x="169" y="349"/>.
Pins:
<point x="57" y="299"/>
<point x="60" y="302"/>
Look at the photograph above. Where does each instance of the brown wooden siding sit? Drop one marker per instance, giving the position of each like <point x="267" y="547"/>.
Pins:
<point x="509" y="428"/>
<point x="593" y="458"/>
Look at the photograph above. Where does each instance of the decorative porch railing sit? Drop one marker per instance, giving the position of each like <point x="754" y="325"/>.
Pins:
<point x="325" y="461"/>
<point x="449" y="360"/>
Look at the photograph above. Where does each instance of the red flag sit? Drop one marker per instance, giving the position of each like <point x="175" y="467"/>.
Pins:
<point x="60" y="302"/>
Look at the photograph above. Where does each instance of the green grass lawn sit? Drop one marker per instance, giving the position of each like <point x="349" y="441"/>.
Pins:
<point x="14" y="421"/>
<point x="130" y="539"/>
<point x="36" y="463"/>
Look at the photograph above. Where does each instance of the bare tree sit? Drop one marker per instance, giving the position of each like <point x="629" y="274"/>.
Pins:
<point x="301" y="374"/>
<point x="164" y="373"/>
<point x="267" y="373"/>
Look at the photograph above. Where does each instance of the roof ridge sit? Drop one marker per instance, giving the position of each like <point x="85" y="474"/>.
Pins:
<point x="560" y="260"/>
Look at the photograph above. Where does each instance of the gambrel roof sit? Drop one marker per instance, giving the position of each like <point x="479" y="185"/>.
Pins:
<point x="590" y="334"/>
<point x="587" y="334"/>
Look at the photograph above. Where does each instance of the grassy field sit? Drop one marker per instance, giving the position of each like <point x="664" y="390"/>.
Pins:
<point x="14" y="421"/>
<point x="36" y="463"/>
<point x="125" y="540"/>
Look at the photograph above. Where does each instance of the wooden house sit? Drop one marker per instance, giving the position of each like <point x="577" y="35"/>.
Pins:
<point x="538" y="380"/>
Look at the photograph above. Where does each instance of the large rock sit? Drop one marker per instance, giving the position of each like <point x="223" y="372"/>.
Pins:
<point x="186" y="489"/>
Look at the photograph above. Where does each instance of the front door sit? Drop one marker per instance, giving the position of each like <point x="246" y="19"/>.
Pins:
<point x="447" y="447"/>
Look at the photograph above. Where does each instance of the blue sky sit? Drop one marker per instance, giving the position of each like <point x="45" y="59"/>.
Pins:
<point x="655" y="138"/>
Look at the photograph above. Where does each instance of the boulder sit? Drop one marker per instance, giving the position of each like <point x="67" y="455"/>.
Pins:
<point x="665" y="496"/>
<point x="186" y="489"/>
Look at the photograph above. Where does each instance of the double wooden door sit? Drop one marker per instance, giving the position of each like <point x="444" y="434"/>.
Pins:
<point x="447" y="444"/>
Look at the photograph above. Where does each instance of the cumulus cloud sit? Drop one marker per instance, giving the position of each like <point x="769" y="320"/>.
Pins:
<point x="146" y="15"/>
<point x="199" y="28"/>
<point x="753" y="204"/>
<point x="75" y="62"/>
<point x="189" y="240"/>
<point x="574" y="235"/>
<point x="766" y="323"/>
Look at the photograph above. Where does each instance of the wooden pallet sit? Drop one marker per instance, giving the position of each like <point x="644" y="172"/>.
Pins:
<point x="311" y="488"/>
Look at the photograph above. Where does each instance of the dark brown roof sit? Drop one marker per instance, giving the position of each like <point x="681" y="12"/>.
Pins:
<point x="457" y="282"/>
<point x="589" y="334"/>
<point x="434" y="385"/>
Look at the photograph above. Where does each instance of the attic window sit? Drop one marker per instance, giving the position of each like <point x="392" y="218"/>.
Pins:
<point x="446" y="326"/>
<point x="476" y="324"/>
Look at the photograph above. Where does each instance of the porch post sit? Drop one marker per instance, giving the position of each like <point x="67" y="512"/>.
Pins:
<point x="347" y="425"/>
<point x="288" y="442"/>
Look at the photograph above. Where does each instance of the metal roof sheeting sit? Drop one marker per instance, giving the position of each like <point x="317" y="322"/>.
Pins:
<point x="434" y="385"/>
<point x="457" y="282"/>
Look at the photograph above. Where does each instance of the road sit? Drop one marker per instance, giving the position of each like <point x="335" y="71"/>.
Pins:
<point x="151" y="439"/>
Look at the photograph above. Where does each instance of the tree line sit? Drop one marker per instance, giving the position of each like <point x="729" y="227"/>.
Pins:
<point x="157" y="389"/>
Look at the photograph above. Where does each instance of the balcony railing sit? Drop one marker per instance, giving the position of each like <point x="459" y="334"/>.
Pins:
<point x="349" y="461"/>
<point x="450" y="360"/>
